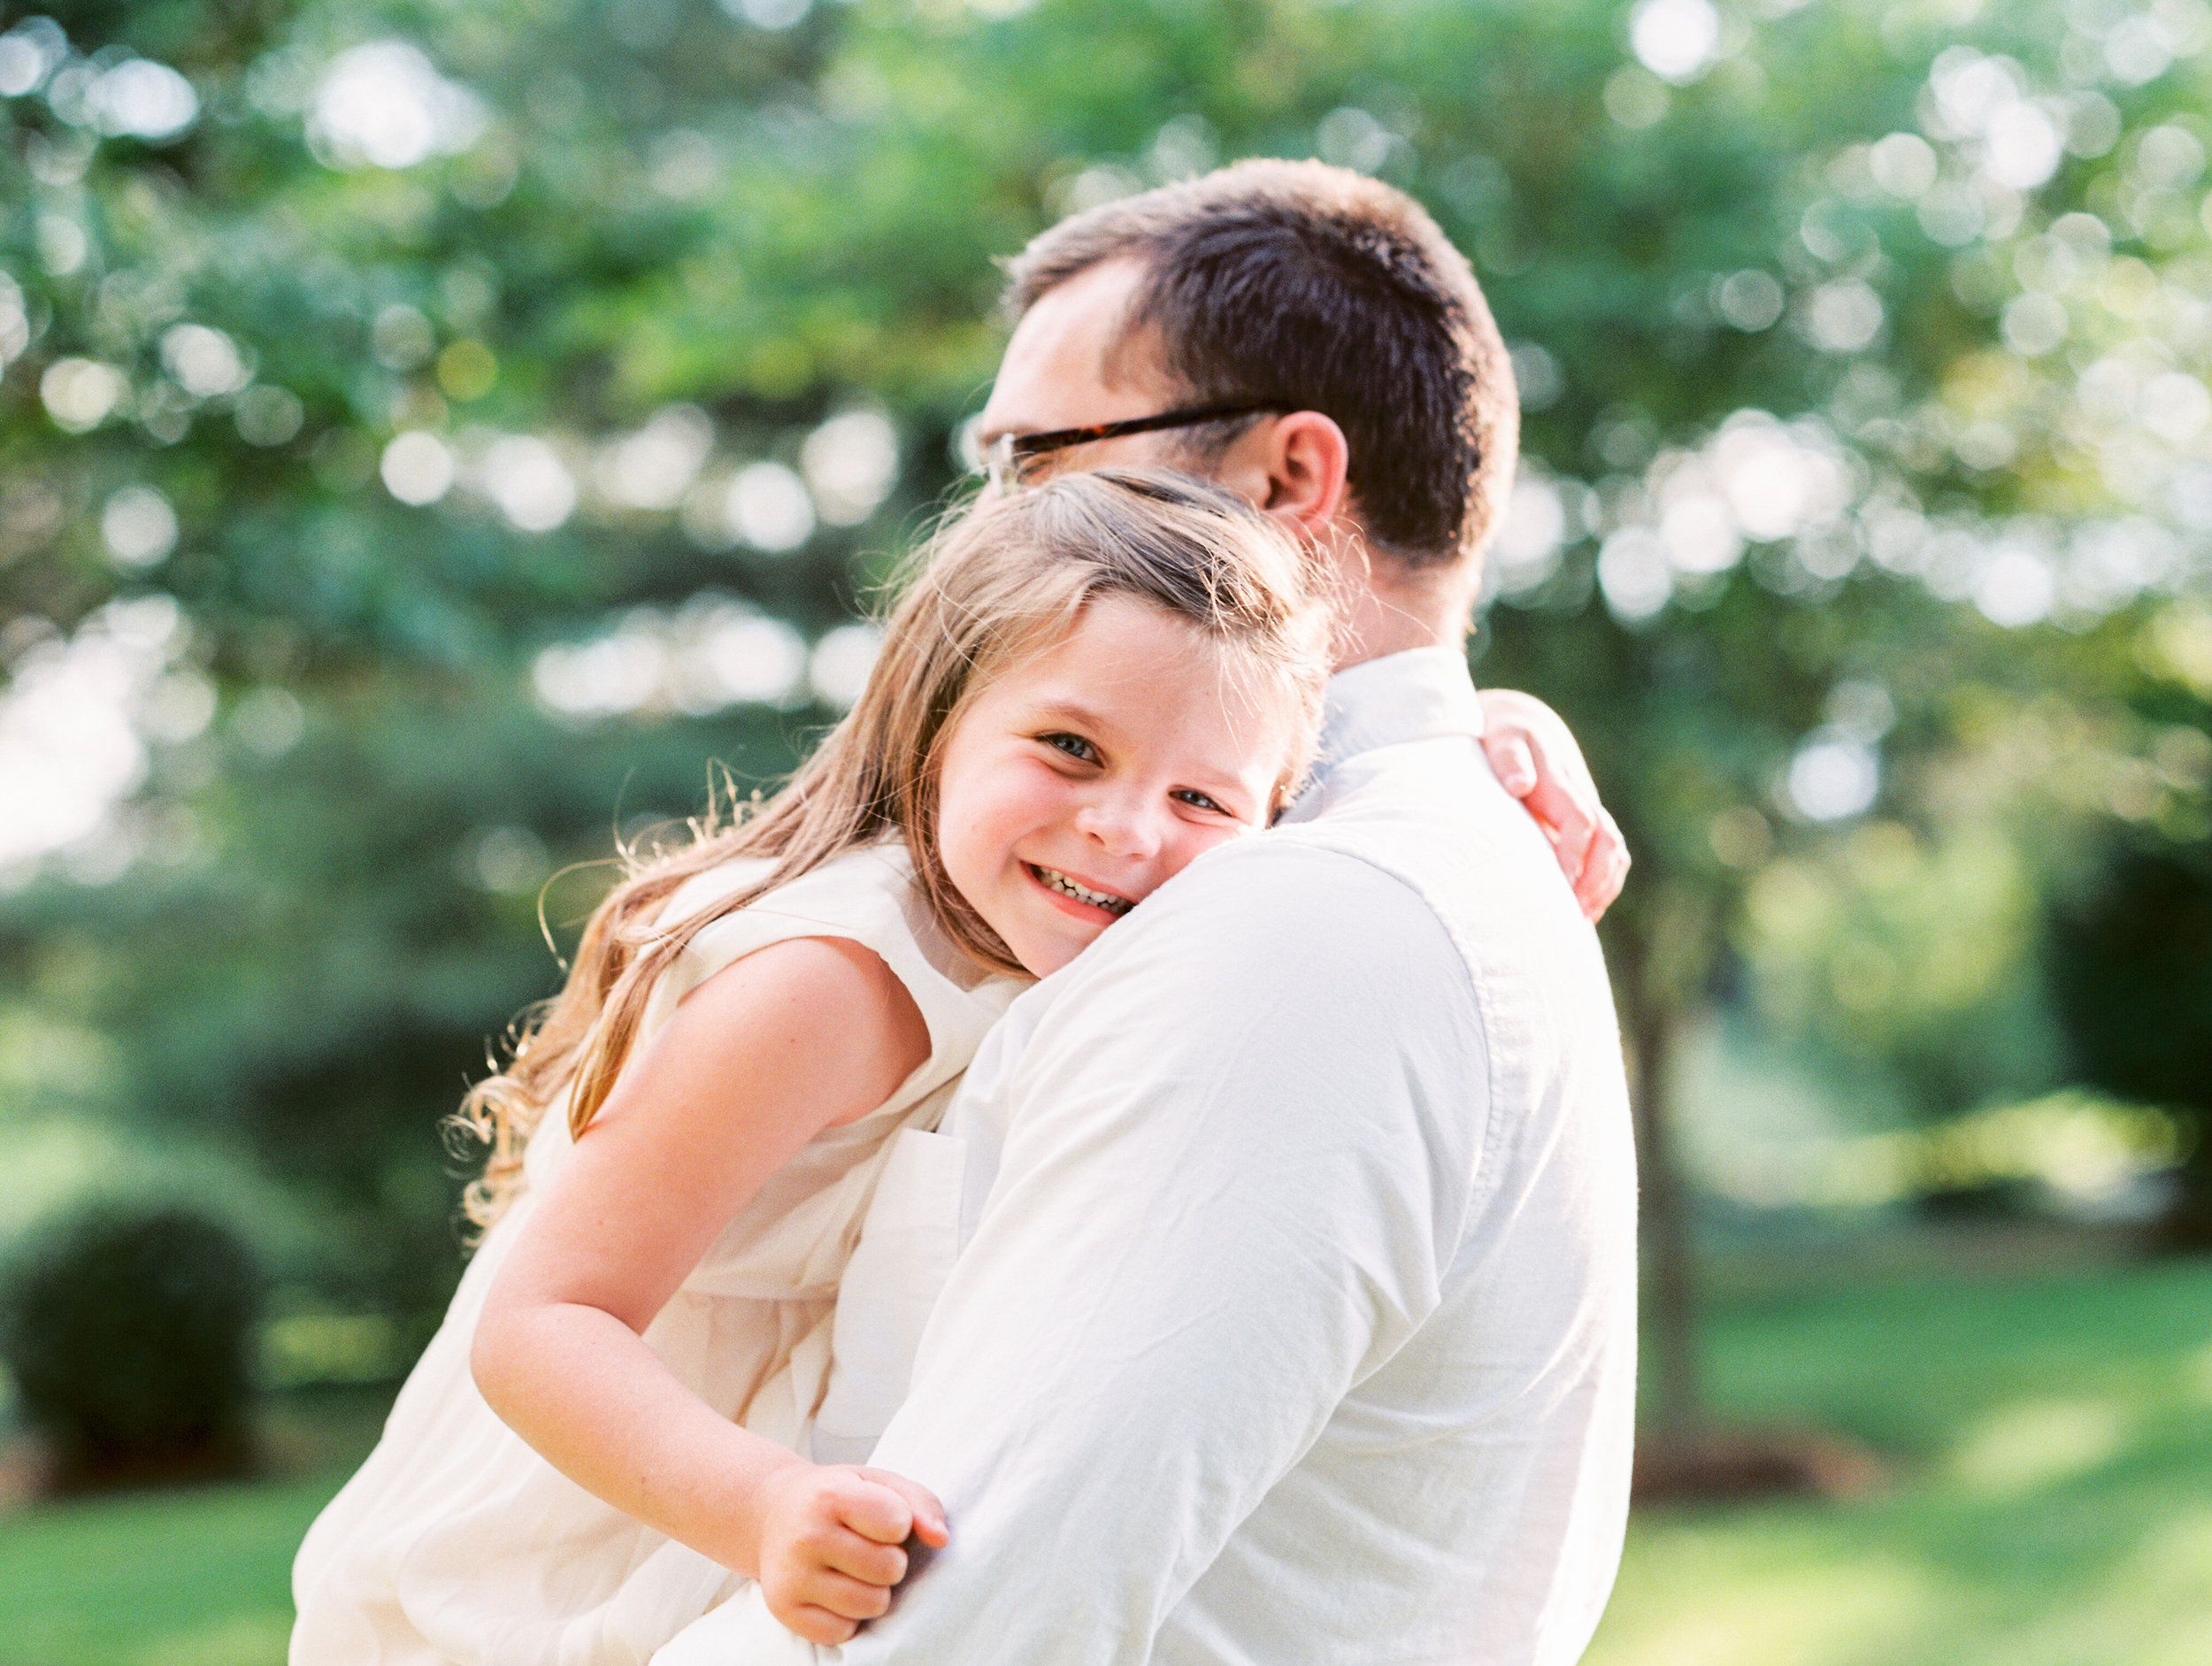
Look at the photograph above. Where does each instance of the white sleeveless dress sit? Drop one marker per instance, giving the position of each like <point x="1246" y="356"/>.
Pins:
<point x="457" y="1544"/>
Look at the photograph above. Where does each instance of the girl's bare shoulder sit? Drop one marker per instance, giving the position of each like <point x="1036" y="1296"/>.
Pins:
<point x="832" y="1002"/>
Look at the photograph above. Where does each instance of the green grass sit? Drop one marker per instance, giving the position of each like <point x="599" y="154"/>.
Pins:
<point x="195" y="1577"/>
<point x="2052" y="1503"/>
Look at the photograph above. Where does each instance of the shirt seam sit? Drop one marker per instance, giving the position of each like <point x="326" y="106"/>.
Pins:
<point x="1482" y="1184"/>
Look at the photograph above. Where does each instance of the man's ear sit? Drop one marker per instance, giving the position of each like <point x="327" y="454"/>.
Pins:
<point x="1294" y="467"/>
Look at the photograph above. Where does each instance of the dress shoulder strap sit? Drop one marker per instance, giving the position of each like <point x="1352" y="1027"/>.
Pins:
<point x="867" y="896"/>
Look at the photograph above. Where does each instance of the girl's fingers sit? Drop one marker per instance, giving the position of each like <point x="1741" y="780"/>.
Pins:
<point x="926" y="1515"/>
<point x="817" y="1625"/>
<point x="875" y="1511"/>
<point x="1536" y="760"/>
<point x="865" y="1559"/>
<point x="1572" y="829"/>
<point x="847" y="1598"/>
<point x="1605" y="872"/>
<point x="1515" y="763"/>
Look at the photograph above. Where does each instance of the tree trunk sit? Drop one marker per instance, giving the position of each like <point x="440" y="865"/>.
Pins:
<point x="1661" y="953"/>
<point x="1670" y="1270"/>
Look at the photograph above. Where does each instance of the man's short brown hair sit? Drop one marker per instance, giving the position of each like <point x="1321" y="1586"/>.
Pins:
<point x="1332" y="292"/>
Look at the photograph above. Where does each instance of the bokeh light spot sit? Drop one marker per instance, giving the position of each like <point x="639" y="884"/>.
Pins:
<point x="141" y="99"/>
<point x="205" y="362"/>
<point x="138" y="526"/>
<point x="384" y="104"/>
<point x="417" y="468"/>
<point x="1675" y="39"/>
<point x="526" y="478"/>
<point x="838" y="669"/>
<point x="767" y="506"/>
<point x="851" y="462"/>
<point x="80" y="393"/>
<point x="1833" y="776"/>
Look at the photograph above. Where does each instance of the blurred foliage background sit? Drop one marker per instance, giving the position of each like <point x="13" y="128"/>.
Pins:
<point x="431" y="433"/>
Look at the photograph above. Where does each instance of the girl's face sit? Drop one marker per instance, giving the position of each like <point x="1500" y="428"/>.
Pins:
<point x="1085" y="776"/>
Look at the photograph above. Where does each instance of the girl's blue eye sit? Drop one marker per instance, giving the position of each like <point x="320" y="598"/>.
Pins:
<point x="1191" y="795"/>
<point x="1074" y="745"/>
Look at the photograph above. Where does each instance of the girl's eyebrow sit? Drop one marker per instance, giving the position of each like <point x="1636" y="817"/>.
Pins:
<point x="1063" y="709"/>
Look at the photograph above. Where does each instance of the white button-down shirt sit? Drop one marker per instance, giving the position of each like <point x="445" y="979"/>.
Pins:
<point x="1294" y="1318"/>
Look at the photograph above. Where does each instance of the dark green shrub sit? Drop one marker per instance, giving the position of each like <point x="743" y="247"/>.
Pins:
<point x="2131" y="971"/>
<point x="129" y="1331"/>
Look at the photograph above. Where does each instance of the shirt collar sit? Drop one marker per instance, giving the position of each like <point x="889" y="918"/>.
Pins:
<point x="1414" y="696"/>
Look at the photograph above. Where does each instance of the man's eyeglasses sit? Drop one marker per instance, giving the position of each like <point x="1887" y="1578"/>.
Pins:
<point x="1010" y="460"/>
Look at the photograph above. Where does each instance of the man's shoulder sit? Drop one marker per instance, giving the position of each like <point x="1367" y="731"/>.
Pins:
<point x="1251" y="925"/>
<point x="1274" y="885"/>
<point x="1431" y="791"/>
<point x="1432" y="814"/>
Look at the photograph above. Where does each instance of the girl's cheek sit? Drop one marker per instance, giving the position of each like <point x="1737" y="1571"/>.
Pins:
<point x="1210" y="837"/>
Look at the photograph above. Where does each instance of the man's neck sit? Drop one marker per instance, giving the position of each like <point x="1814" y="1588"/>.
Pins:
<point x="1377" y="613"/>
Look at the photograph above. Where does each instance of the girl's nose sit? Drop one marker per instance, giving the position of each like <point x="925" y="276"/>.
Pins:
<point x="1124" y="827"/>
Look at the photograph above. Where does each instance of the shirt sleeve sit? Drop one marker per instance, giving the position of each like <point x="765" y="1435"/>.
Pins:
<point x="1240" y="1142"/>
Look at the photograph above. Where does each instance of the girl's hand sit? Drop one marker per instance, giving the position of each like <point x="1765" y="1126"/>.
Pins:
<point x="831" y="1542"/>
<point x="1537" y="761"/>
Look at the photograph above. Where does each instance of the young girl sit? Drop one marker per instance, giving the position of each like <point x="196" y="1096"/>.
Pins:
<point x="1086" y="686"/>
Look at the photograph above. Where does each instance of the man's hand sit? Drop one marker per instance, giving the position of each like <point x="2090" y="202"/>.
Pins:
<point x="1538" y="761"/>
<point x="830" y="1545"/>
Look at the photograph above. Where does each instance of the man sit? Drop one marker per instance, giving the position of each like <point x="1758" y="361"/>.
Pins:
<point x="1293" y="1319"/>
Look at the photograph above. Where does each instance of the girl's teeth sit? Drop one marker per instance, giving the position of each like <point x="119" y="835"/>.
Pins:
<point x="1066" y="887"/>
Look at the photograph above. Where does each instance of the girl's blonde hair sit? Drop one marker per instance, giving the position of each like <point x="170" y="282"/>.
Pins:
<point x="1006" y="579"/>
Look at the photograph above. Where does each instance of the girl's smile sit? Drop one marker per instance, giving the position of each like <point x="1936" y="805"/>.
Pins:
<point x="1087" y="776"/>
<point x="1085" y="898"/>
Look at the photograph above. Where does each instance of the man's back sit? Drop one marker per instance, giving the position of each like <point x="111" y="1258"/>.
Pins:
<point x="1484" y="1463"/>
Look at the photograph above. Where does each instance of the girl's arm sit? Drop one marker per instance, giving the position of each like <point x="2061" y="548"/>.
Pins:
<point x="1537" y="760"/>
<point x="802" y="1035"/>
